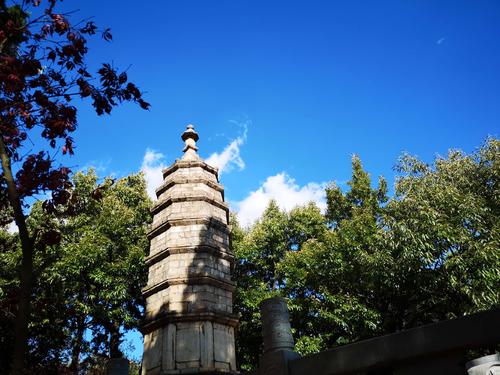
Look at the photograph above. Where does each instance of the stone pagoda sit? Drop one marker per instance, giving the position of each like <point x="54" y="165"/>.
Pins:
<point x="189" y="322"/>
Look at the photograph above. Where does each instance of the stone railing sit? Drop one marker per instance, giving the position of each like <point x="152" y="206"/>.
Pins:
<point x="437" y="348"/>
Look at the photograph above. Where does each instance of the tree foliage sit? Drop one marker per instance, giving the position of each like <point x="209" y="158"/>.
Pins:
<point x="88" y="285"/>
<point x="371" y="264"/>
<point x="43" y="69"/>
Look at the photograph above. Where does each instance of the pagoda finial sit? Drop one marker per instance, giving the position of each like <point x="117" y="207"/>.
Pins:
<point x="190" y="137"/>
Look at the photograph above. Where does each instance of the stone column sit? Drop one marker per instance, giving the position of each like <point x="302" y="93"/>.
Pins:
<point x="276" y="330"/>
<point x="189" y="322"/>
<point x="277" y="337"/>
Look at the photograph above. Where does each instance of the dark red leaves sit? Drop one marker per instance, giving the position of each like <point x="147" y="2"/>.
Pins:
<point x="143" y="104"/>
<point x="122" y="78"/>
<point x="85" y="88"/>
<point x="108" y="75"/>
<point x="13" y="82"/>
<point x="84" y="73"/>
<point x="41" y="99"/>
<point x="115" y="89"/>
<point x="106" y="35"/>
<point x="133" y="90"/>
<point x="59" y="197"/>
<point x="51" y="237"/>
<point x="90" y="28"/>
<point x="42" y="67"/>
<point x="73" y="52"/>
<point x="37" y="175"/>
<point x="14" y="72"/>
<point x="51" y="55"/>
<point x="60" y="24"/>
<point x="100" y="103"/>
<point x="58" y="124"/>
<point x="46" y="30"/>
<point x="68" y="147"/>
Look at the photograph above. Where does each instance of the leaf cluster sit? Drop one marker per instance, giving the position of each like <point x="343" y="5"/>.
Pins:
<point x="42" y="70"/>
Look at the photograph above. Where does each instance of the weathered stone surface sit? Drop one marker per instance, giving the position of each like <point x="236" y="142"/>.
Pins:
<point x="189" y="325"/>
<point x="224" y="345"/>
<point x="183" y="233"/>
<point x="276" y="330"/>
<point x="191" y="264"/>
<point x="207" y="347"/>
<point x="277" y="337"/>
<point x="187" y="347"/>
<point x="152" y="350"/>
<point x="168" y="355"/>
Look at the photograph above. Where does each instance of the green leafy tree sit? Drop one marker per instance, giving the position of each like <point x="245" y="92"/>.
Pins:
<point x="373" y="265"/>
<point x="9" y="284"/>
<point x="444" y="229"/>
<point x="259" y="252"/>
<point x="89" y="280"/>
<point x="332" y="279"/>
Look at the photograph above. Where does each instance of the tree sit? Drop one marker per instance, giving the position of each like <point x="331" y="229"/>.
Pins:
<point x="373" y="265"/>
<point x="9" y="284"/>
<point x="90" y="280"/>
<point x="103" y="248"/>
<point x="445" y="230"/>
<point x="331" y="281"/>
<point x="259" y="252"/>
<point x="42" y="69"/>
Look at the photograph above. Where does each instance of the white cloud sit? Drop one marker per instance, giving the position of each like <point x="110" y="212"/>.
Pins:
<point x="230" y="156"/>
<point x="285" y="191"/>
<point x="12" y="228"/>
<point x="152" y="165"/>
<point x="440" y="40"/>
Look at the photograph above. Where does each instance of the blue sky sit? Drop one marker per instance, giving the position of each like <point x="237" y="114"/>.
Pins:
<point x="285" y="92"/>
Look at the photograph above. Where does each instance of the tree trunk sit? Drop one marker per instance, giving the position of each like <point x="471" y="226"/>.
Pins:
<point x="114" y="341"/>
<point x="26" y="272"/>
<point x="77" y="345"/>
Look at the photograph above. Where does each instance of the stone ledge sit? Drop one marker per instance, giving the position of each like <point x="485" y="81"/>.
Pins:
<point x="190" y="164"/>
<point x="209" y="221"/>
<point x="179" y="181"/>
<point x="160" y="205"/>
<point x="163" y="318"/>
<point x="412" y="347"/>
<point x="207" y="249"/>
<point x="195" y="279"/>
<point x="201" y="371"/>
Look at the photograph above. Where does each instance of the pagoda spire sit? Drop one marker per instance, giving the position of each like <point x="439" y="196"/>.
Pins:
<point x="190" y="137"/>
